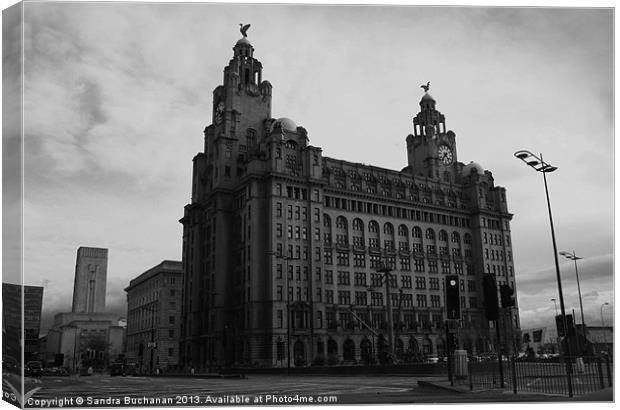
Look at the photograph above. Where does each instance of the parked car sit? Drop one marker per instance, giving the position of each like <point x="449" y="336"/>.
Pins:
<point x="117" y="369"/>
<point x="432" y="359"/>
<point x="34" y="369"/>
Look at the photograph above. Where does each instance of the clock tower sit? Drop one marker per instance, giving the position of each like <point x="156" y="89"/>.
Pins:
<point x="431" y="150"/>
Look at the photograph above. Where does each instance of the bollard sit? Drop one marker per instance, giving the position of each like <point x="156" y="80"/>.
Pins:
<point x="460" y="364"/>
<point x="513" y="366"/>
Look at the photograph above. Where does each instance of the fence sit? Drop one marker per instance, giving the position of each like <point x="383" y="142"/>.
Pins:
<point x="589" y="375"/>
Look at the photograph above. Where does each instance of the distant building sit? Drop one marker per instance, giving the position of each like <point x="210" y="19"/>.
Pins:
<point x="537" y="339"/>
<point x="153" y="317"/>
<point x="90" y="280"/>
<point x="12" y="301"/>
<point x="86" y="339"/>
<point x="601" y="338"/>
<point x="87" y="336"/>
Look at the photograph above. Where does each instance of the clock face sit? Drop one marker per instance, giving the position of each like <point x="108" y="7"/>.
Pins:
<point x="219" y="110"/>
<point x="445" y="155"/>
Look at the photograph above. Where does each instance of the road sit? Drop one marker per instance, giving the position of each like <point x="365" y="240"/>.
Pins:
<point x="106" y="391"/>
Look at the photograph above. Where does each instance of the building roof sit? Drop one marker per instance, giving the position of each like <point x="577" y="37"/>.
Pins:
<point x="166" y="266"/>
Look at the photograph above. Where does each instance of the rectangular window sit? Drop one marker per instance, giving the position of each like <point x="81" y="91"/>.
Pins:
<point x="421" y="300"/>
<point x="360" y="278"/>
<point x="433" y="283"/>
<point x="471" y="285"/>
<point x="170" y="351"/>
<point x="361" y="298"/>
<point x="405" y="264"/>
<point x="435" y="301"/>
<point x="329" y="296"/>
<point x="406" y="281"/>
<point x="376" y="279"/>
<point x="445" y="266"/>
<point x="343" y="258"/>
<point x="279" y="319"/>
<point x="329" y="277"/>
<point x="432" y="266"/>
<point x="420" y="282"/>
<point x="343" y="278"/>
<point x="376" y="299"/>
<point x="279" y="230"/>
<point x="344" y="297"/>
<point x="327" y="254"/>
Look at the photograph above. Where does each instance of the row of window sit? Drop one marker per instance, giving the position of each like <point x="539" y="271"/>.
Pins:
<point x="394" y="211"/>
<point x="302" y="294"/>
<point x="388" y="229"/>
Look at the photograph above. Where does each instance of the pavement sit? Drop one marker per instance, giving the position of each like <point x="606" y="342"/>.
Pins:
<point x="442" y="383"/>
<point x="359" y="389"/>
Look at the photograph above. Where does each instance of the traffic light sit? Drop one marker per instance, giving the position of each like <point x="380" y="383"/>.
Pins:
<point x="507" y="296"/>
<point x="453" y="303"/>
<point x="490" y="297"/>
<point x="559" y="324"/>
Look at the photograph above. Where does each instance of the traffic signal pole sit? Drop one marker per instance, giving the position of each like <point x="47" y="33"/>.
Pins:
<point x="499" y="355"/>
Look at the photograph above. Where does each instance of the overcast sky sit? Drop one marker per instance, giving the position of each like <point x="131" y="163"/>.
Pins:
<point x="117" y="95"/>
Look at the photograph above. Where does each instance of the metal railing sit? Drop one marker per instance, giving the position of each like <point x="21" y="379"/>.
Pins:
<point x="549" y="377"/>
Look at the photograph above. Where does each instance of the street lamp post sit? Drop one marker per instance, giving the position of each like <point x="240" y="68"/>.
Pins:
<point x="575" y="258"/>
<point x="603" y="327"/>
<point x="556" y="306"/>
<point x="385" y="269"/>
<point x="557" y="338"/>
<point x="539" y="165"/>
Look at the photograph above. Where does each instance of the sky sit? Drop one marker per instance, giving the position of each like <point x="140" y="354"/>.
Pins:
<point x="116" y="96"/>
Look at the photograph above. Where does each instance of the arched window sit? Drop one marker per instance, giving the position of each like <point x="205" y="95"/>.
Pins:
<point x="443" y="236"/>
<point x="417" y="232"/>
<point x="456" y="238"/>
<point x="467" y="239"/>
<point x="348" y="350"/>
<point x="402" y="230"/>
<point x="358" y="225"/>
<point x="373" y="226"/>
<point x="327" y="222"/>
<point x="341" y="222"/>
<point x="388" y="229"/>
<point x="430" y="234"/>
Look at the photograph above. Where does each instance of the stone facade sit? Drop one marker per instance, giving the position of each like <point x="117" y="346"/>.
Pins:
<point x="89" y="288"/>
<point x="153" y="318"/>
<point x="282" y="245"/>
<point x="86" y="339"/>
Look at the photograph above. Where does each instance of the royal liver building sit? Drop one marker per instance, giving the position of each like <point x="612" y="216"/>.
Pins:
<point x="285" y="250"/>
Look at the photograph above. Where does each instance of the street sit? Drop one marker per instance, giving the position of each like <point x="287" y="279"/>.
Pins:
<point x="107" y="391"/>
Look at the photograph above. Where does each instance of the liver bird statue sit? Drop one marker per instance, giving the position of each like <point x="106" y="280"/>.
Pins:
<point x="426" y="87"/>
<point x="244" y="29"/>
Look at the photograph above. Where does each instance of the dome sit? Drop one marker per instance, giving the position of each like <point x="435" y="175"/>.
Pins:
<point x="285" y="123"/>
<point x="427" y="96"/>
<point x="244" y="41"/>
<point x="467" y="169"/>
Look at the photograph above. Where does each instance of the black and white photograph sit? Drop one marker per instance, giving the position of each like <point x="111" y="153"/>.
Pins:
<point x="214" y="204"/>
